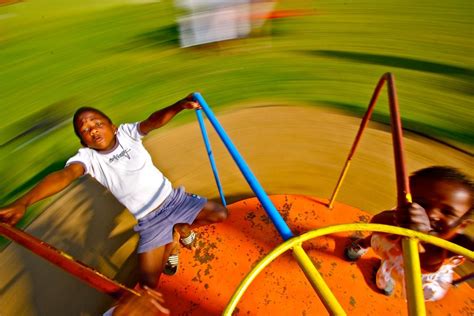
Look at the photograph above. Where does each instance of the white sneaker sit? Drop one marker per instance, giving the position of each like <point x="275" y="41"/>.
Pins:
<point x="354" y="251"/>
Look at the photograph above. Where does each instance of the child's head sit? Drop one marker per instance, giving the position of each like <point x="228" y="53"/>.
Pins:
<point x="446" y="194"/>
<point x="94" y="129"/>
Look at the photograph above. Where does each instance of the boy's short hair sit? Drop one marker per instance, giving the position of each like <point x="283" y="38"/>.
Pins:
<point x="86" y="109"/>
<point x="444" y="173"/>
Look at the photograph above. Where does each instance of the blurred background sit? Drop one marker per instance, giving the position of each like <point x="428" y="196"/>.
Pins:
<point x="131" y="57"/>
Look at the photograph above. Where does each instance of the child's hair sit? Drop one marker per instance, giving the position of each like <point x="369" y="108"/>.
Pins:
<point x="86" y="109"/>
<point x="445" y="173"/>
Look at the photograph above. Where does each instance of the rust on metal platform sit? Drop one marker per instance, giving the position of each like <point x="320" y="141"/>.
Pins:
<point x="207" y="278"/>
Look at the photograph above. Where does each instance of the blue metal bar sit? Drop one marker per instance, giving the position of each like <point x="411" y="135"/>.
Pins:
<point x="256" y="187"/>
<point x="210" y="155"/>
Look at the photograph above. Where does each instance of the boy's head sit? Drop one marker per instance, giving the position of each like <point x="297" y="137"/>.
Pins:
<point x="94" y="129"/>
<point x="446" y="194"/>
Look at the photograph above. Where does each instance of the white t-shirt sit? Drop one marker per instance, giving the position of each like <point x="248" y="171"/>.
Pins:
<point x="127" y="171"/>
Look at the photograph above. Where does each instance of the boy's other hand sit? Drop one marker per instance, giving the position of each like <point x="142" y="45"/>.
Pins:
<point x="150" y="303"/>
<point x="413" y="216"/>
<point x="12" y="213"/>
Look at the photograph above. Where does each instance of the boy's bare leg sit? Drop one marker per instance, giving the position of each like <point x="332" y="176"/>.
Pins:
<point x="211" y="213"/>
<point x="357" y="248"/>
<point x="170" y="258"/>
<point x="151" y="265"/>
<point x="365" y="242"/>
<point x="173" y="247"/>
<point x="182" y="230"/>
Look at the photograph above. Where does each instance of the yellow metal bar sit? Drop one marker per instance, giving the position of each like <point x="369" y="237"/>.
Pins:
<point x="244" y="284"/>
<point x="317" y="281"/>
<point x="413" y="285"/>
<point x="339" y="182"/>
<point x="290" y="243"/>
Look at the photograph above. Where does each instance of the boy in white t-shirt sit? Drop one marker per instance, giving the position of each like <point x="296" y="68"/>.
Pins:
<point x="116" y="158"/>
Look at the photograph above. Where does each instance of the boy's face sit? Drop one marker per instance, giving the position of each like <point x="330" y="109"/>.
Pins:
<point x="96" y="131"/>
<point x="445" y="202"/>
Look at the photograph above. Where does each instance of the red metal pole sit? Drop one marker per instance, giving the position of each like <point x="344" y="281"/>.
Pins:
<point x="403" y="188"/>
<point x="363" y="125"/>
<point x="411" y="258"/>
<point x="367" y="115"/>
<point x="66" y="262"/>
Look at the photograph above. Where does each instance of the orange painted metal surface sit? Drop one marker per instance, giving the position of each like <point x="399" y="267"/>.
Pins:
<point x="207" y="278"/>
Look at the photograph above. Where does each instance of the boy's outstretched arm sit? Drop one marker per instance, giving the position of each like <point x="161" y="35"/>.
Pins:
<point x="163" y="116"/>
<point x="149" y="303"/>
<point x="51" y="184"/>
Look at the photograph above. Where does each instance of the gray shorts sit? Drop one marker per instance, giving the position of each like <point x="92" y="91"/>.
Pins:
<point x="156" y="228"/>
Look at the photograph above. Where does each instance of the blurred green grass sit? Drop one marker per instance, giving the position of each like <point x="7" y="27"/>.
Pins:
<point x="124" y="57"/>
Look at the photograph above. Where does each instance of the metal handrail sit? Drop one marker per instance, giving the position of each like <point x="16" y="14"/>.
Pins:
<point x="297" y="241"/>
<point x="87" y="274"/>
<point x="411" y="257"/>
<point x="301" y="257"/>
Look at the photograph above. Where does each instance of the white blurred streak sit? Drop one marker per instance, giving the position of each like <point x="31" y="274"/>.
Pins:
<point x="211" y="21"/>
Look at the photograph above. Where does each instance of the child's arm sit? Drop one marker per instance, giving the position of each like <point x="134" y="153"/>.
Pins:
<point x="385" y="217"/>
<point x="51" y="184"/>
<point x="434" y="256"/>
<point x="163" y="116"/>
